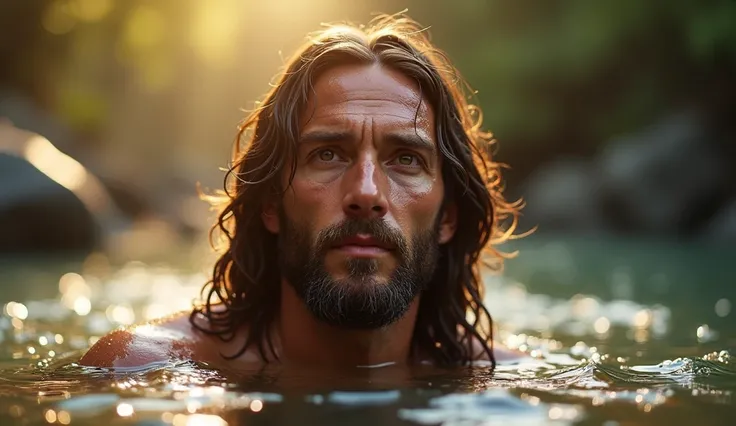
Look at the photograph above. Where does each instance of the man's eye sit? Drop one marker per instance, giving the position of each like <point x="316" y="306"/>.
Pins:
<point x="408" y="160"/>
<point x="326" y="155"/>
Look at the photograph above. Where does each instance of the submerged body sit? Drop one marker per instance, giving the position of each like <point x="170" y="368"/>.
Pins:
<point x="175" y="339"/>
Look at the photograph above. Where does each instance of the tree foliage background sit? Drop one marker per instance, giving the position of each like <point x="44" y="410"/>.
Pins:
<point x="148" y="93"/>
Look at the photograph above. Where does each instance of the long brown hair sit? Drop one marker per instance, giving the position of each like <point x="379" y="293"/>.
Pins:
<point x="245" y="278"/>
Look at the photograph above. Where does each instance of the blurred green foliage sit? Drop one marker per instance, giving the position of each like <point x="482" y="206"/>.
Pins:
<point x="553" y="76"/>
<point x="550" y="68"/>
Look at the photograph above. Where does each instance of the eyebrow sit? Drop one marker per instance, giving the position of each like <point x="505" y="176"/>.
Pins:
<point x="403" y="139"/>
<point x="325" y="136"/>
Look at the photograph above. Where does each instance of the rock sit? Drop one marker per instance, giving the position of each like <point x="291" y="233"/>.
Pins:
<point x="49" y="202"/>
<point x="24" y="114"/>
<point x="664" y="179"/>
<point x="39" y="215"/>
<point x="722" y="227"/>
<point x="563" y="196"/>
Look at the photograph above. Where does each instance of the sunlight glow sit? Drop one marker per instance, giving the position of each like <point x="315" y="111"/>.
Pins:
<point x="702" y="331"/>
<point x="193" y="406"/>
<point x="63" y="169"/>
<point x="64" y="418"/>
<point x="723" y="307"/>
<point x="16" y="323"/>
<point x="601" y="325"/>
<point x="555" y="413"/>
<point x="124" y="410"/>
<point x="16" y="310"/>
<point x="705" y="334"/>
<point x="50" y="416"/>
<point x="642" y="319"/>
<point x="256" y="405"/>
<point x="145" y="28"/>
<point x="213" y="31"/>
<point x="91" y="10"/>
<point x="75" y="293"/>
<point x="159" y="332"/>
<point x="82" y="306"/>
<point x="156" y="310"/>
<point x="67" y="172"/>
<point x="58" y="19"/>
<point x="198" y="420"/>
<point x="73" y="282"/>
<point x="641" y="335"/>
<point x="120" y="314"/>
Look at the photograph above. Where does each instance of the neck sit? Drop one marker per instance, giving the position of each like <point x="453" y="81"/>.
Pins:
<point x="305" y="339"/>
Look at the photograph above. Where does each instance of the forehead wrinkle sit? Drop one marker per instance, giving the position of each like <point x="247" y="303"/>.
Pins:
<point x="413" y="103"/>
<point x="410" y="118"/>
<point x="397" y="97"/>
<point x="415" y="116"/>
<point x="404" y="94"/>
<point x="340" y="123"/>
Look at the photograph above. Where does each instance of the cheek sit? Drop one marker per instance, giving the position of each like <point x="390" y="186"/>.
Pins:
<point x="416" y="206"/>
<point x="310" y="203"/>
<point x="321" y="177"/>
<point x="407" y="189"/>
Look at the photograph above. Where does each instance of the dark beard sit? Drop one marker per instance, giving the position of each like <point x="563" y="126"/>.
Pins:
<point x="358" y="301"/>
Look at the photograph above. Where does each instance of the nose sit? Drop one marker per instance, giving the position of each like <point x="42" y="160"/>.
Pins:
<point x="365" y="195"/>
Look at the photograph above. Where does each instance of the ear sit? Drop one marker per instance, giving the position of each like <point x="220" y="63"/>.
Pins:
<point x="448" y="223"/>
<point x="270" y="216"/>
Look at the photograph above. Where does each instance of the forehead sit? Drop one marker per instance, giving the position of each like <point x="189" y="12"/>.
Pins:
<point x="352" y="94"/>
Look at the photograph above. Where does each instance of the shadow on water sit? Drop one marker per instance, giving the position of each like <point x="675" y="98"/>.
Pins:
<point x="605" y="342"/>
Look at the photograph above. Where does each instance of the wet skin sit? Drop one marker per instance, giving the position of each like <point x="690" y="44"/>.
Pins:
<point x="367" y="150"/>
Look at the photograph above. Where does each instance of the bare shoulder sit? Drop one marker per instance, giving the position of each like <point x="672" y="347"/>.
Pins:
<point x="169" y="338"/>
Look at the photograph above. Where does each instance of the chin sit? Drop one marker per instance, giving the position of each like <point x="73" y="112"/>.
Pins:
<point x="358" y="282"/>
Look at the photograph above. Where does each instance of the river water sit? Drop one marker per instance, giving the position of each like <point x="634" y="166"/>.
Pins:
<point x="615" y="333"/>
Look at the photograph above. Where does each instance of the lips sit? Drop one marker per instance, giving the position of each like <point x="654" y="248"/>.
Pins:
<point x="366" y="241"/>
<point x="363" y="246"/>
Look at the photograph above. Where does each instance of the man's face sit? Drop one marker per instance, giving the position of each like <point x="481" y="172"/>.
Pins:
<point x="360" y="227"/>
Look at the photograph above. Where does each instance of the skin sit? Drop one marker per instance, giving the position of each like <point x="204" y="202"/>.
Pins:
<point x="355" y="160"/>
<point x="367" y="150"/>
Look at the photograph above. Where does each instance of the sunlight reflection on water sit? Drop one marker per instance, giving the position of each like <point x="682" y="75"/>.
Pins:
<point x="587" y="358"/>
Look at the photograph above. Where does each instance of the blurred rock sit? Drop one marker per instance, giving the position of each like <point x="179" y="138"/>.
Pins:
<point x="563" y="196"/>
<point x="671" y="179"/>
<point x="24" y="114"/>
<point x="37" y="214"/>
<point x="667" y="179"/>
<point x="722" y="227"/>
<point x="49" y="202"/>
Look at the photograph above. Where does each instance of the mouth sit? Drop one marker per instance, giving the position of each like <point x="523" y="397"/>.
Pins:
<point x="363" y="245"/>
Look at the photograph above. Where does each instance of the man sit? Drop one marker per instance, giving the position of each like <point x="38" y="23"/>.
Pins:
<point x="354" y="219"/>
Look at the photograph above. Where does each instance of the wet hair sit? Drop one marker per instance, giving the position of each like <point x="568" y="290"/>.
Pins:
<point x="245" y="279"/>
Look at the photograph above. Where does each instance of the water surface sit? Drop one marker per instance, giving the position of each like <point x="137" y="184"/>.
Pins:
<point x="615" y="333"/>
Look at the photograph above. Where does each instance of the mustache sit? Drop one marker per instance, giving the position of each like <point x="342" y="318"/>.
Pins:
<point x="377" y="228"/>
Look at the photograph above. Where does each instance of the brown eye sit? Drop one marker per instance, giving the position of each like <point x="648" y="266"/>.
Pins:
<point x="407" y="160"/>
<point x="326" y="155"/>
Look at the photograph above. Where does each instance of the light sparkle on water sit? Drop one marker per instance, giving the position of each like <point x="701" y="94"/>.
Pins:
<point x="124" y="410"/>
<point x="256" y="405"/>
<point x="552" y="362"/>
<point x="723" y="307"/>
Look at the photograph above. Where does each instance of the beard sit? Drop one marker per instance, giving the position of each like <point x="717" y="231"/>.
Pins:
<point x="359" y="300"/>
